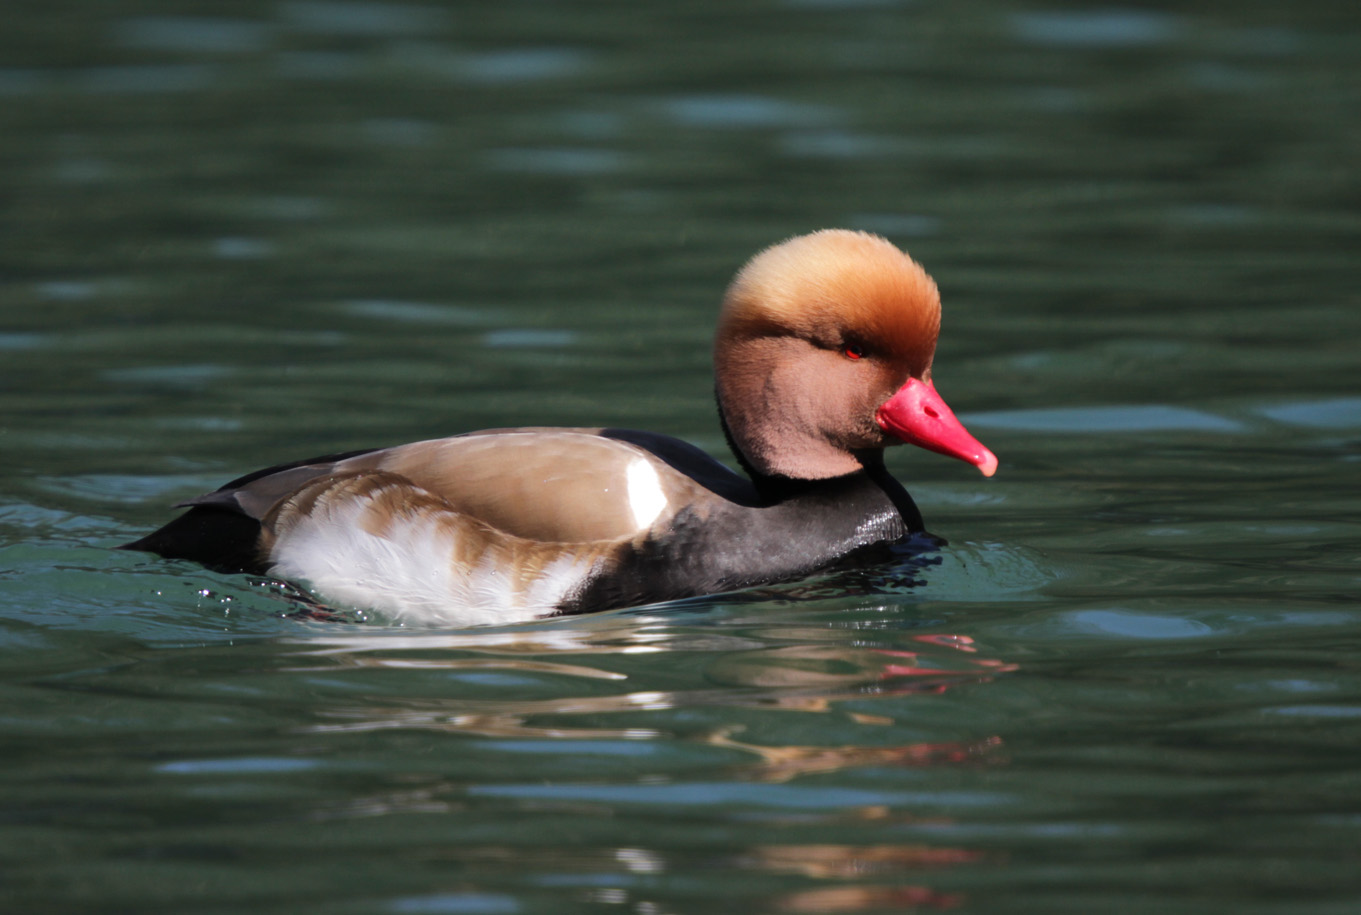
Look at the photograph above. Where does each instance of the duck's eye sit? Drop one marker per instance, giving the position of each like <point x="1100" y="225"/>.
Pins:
<point x="853" y="351"/>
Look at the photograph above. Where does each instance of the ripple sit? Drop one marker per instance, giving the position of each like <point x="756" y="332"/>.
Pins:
<point x="288" y="208"/>
<point x="1317" y="711"/>
<point x="200" y="35"/>
<point x="1333" y="413"/>
<point x="1214" y="215"/>
<point x="67" y="290"/>
<point x="418" y="312"/>
<point x="1060" y="99"/>
<point x="407" y="132"/>
<point x="456" y="904"/>
<point x="319" y="64"/>
<point x="1110" y="28"/>
<point x="1149" y="418"/>
<point x="1127" y="624"/>
<point x="188" y="376"/>
<point x="149" y="78"/>
<point x="634" y="748"/>
<point x="122" y="488"/>
<point x="336" y="17"/>
<point x="845" y="4"/>
<point x="990" y="572"/>
<point x="1270" y="41"/>
<point x="503" y="67"/>
<point x="707" y="794"/>
<point x="523" y="64"/>
<point x="241" y="766"/>
<point x="836" y="144"/>
<point x="586" y="124"/>
<point x="557" y="161"/>
<point x="201" y="423"/>
<point x="21" y="341"/>
<point x="904" y="224"/>
<point x="15" y="81"/>
<point x="528" y="338"/>
<point x="743" y="111"/>
<point x="1219" y="77"/>
<point x="234" y="248"/>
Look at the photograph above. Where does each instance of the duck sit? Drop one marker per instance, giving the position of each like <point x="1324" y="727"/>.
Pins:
<point x="822" y="359"/>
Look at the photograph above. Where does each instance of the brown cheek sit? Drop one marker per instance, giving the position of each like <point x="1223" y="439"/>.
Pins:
<point x="875" y="431"/>
<point x="891" y="378"/>
<point x="861" y="389"/>
<point x="836" y="387"/>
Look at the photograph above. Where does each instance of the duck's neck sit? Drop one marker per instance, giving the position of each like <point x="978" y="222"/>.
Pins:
<point x="773" y="488"/>
<point x="873" y="462"/>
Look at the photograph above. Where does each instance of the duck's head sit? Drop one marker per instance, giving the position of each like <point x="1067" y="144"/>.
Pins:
<point x="823" y="355"/>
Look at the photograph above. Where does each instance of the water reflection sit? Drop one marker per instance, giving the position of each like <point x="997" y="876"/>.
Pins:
<point x="630" y="774"/>
<point x="499" y="719"/>
<point x="637" y="877"/>
<point x="822" y="665"/>
<point x="361" y="649"/>
<point x="862" y="898"/>
<point x="819" y="672"/>
<point x="841" y="861"/>
<point x="778" y="764"/>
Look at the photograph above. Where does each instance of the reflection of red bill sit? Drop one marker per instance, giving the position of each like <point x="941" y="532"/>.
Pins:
<point x="911" y="667"/>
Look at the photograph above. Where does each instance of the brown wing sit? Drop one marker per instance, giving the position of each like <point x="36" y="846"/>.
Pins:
<point x="563" y="485"/>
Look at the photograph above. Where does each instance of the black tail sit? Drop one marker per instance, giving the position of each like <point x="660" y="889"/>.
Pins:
<point x="219" y="530"/>
<point x="222" y="540"/>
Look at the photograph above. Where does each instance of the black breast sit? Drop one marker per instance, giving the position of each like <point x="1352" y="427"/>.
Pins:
<point x="808" y="526"/>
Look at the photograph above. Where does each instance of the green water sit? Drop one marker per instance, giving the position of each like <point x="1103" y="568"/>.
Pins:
<point x="234" y="234"/>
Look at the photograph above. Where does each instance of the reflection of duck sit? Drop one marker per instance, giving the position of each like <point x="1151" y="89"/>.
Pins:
<point x="822" y="357"/>
<point x="828" y="862"/>
<point x="867" y="898"/>
<point x="780" y="764"/>
<point x="821" y="665"/>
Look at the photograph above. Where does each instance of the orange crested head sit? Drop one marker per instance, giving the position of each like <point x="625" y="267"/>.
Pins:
<point x="834" y="288"/>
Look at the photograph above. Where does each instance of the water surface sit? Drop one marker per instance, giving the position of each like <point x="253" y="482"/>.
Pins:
<point x="237" y="235"/>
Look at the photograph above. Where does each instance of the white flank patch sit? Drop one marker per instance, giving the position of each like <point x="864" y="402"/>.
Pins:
<point x="409" y="574"/>
<point x="646" y="499"/>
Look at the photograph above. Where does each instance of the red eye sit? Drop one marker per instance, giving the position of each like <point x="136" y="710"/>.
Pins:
<point x="854" y="351"/>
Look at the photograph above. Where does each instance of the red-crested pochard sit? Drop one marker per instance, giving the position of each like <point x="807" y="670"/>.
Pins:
<point x="822" y="358"/>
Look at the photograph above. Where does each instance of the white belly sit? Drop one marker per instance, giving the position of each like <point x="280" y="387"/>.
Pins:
<point x="415" y="571"/>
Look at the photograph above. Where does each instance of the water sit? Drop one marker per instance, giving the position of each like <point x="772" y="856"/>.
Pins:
<point x="236" y="235"/>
